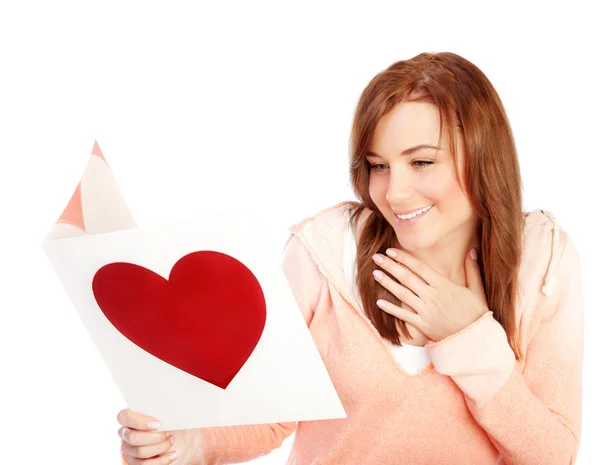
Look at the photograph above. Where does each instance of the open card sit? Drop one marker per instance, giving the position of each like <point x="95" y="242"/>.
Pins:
<point x="194" y="319"/>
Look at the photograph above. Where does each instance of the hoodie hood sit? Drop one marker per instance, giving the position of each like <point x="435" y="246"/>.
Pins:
<point x="550" y="280"/>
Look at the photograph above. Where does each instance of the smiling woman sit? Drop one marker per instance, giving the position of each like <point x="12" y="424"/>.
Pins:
<point x="441" y="140"/>
<point x="449" y="320"/>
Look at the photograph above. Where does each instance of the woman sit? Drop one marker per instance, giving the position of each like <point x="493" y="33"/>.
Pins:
<point x="467" y="346"/>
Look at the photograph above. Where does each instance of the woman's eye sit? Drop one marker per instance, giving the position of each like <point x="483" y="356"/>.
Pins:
<point x="419" y="164"/>
<point x="424" y="163"/>
<point x="377" y="168"/>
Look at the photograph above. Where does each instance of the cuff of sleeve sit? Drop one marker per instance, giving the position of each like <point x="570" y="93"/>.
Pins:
<point x="478" y="358"/>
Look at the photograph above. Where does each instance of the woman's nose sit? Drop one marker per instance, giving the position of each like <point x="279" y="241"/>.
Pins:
<point x="398" y="198"/>
<point x="399" y="190"/>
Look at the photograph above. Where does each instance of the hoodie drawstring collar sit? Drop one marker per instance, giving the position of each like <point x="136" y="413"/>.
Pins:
<point x="550" y="280"/>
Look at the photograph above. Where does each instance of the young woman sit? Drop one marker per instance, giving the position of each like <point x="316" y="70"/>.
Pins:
<point x="450" y="322"/>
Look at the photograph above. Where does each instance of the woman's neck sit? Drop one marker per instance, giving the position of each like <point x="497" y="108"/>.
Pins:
<point x="447" y="257"/>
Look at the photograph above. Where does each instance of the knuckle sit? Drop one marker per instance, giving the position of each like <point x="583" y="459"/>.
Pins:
<point x="122" y="416"/>
<point x="401" y="292"/>
<point x="165" y="460"/>
<point x="128" y="453"/>
<point x="145" y="452"/>
<point x="128" y="436"/>
<point x="132" y="437"/>
<point x="165" y="446"/>
<point x="403" y="272"/>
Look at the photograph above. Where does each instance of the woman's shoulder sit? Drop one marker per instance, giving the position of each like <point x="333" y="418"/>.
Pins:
<point x="540" y="217"/>
<point x="316" y="242"/>
<point x="331" y="217"/>
<point x="550" y="272"/>
<point x="543" y="233"/>
<point x="324" y="236"/>
<point x="548" y="249"/>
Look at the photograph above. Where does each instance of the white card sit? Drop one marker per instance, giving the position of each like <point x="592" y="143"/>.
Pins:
<point x="254" y="360"/>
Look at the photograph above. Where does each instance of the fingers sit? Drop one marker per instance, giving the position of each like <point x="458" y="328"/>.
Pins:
<point x="413" y="332"/>
<point x="407" y="307"/>
<point x="141" y="438"/>
<point x="401" y="313"/>
<point x="141" y="443"/>
<point x="403" y="274"/>
<point x="161" y="460"/>
<point x="137" y="420"/>
<point x="473" y="275"/>
<point x="401" y="292"/>
<point x="428" y="274"/>
<point x="152" y="451"/>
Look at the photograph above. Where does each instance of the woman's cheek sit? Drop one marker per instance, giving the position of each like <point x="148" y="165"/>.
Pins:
<point x="377" y="190"/>
<point x="440" y="190"/>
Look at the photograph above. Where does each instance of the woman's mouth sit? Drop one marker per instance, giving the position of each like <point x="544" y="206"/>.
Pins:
<point x="405" y="221"/>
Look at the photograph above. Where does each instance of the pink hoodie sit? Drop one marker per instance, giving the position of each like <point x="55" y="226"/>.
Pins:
<point x="473" y="404"/>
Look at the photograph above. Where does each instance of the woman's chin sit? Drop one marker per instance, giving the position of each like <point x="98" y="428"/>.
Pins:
<point x="412" y="244"/>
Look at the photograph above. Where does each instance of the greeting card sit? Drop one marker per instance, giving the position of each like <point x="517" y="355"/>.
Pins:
<point x="194" y="319"/>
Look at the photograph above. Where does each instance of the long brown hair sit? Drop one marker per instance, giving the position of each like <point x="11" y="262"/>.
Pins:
<point x="466" y="100"/>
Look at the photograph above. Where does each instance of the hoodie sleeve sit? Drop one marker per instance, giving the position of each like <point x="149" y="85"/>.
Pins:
<point x="533" y="416"/>
<point x="241" y="443"/>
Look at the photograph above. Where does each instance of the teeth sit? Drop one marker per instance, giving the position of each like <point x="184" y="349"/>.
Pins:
<point x="412" y="215"/>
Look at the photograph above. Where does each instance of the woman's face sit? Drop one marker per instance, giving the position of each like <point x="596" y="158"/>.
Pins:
<point x="422" y="177"/>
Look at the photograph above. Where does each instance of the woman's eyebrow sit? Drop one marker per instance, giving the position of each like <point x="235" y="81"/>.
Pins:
<point x="408" y="151"/>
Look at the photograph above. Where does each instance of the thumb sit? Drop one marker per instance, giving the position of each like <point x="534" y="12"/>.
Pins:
<point x="473" y="274"/>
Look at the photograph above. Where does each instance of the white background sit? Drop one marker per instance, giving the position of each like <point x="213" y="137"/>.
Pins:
<point x="199" y="107"/>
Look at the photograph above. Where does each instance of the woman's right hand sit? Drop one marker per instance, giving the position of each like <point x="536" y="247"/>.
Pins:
<point x="141" y="444"/>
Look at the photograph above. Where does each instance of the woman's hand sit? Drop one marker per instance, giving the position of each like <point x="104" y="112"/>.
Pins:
<point x="441" y="306"/>
<point x="417" y="337"/>
<point x="141" y="444"/>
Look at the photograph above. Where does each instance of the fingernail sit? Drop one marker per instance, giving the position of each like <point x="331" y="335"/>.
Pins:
<point x="378" y="274"/>
<point x="173" y="456"/>
<point x="378" y="258"/>
<point x="172" y="439"/>
<point x="473" y="253"/>
<point x="154" y="425"/>
<point x="124" y="433"/>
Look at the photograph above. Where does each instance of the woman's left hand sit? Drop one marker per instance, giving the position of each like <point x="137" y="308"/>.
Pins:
<point x="443" y="307"/>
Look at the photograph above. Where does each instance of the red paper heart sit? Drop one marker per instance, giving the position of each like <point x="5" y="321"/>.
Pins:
<point x="206" y="319"/>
